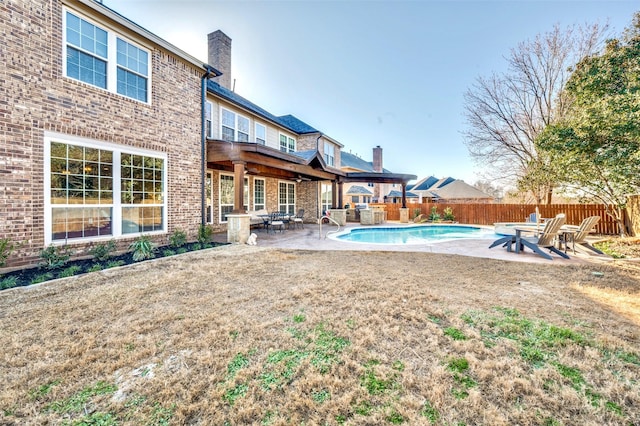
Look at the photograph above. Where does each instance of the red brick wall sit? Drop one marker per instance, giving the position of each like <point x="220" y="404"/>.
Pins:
<point x="36" y="98"/>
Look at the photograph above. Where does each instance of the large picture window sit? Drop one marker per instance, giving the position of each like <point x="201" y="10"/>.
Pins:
<point x="88" y="58"/>
<point x="94" y="191"/>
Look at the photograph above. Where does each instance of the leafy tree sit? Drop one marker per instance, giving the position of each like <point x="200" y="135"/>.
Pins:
<point x="506" y="112"/>
<point x="596" y="147"/>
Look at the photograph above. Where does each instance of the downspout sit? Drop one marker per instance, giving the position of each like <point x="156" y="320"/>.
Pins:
<point x="319" y="205"/>
<point x="203" y="142"/>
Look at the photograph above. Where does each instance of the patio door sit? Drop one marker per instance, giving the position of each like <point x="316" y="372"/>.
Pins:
<point x="287" y="198"/>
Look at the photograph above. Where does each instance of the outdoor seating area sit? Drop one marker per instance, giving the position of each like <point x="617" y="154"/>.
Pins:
<point x="546" y="236"/>
<point x="277" y="221"/>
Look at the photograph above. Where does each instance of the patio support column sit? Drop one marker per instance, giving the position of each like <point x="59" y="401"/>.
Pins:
<point x="340" y="203"/>
<point x="238" y="186"/>
<point x="404" y="194"/>
<point x="334" y="194"/>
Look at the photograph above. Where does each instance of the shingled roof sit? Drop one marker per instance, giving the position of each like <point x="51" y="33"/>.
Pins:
<point x="355" y="162"/>
<point x="287" y="121"/>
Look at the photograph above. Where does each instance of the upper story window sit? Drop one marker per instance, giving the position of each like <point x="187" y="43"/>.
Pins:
<point x="103" y="59"/>
<point x="234" y="127"/>
<point x="261" y="134"/>
<point x="208" y="119"/>
<point x="287" y="144"/>
<point x="329" y="154"/>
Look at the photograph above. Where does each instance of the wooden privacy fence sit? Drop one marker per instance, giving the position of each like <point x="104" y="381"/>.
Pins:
<point x="488" y="214"/>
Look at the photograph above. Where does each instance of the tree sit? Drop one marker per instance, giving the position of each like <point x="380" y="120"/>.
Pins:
<point x="506" y="112"/>
<point x="596" y="146"/>
<point x="488" y="187"/>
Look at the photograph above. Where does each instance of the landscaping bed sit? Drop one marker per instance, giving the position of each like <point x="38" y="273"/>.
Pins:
<point x="56" y="263"/>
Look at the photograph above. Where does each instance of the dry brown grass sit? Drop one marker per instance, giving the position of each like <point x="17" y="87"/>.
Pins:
<point x="245" y="335"/>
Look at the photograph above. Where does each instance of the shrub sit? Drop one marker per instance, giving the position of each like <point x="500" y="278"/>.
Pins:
<point x="178" y="238"/>
<point x="205" y="233"/>
<point x="142" y="248"/>
<point x="448" y="214"/>
<point x="434" y="216"/>
<point x="6" y="248"/>
<point x="8" y="282"/>
<point x="104" y="251"/>
<point x="54" y="257"/>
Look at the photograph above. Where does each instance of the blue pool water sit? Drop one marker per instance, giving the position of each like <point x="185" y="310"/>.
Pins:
<point x="413" y="234"/>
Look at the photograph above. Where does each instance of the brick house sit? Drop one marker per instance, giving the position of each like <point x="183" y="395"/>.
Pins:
<point x="109" y="132"/>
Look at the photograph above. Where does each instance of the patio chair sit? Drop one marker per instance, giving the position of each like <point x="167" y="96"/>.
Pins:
<point x="582" y="231"/>
<point x="298" y="219"/>
<point x="276" y="221"/>
<point x="547" y="239"/>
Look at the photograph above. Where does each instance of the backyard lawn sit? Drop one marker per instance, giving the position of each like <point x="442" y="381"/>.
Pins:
<point x="249" y="335"/>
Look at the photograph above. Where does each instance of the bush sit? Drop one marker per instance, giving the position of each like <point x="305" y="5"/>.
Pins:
<point x="205" y="233"/>
<point x="103" y="252"/>
<point x="54" y="257"/>
<point x="448" y="214"/>
<point x="142" y="248"/>
<point x="434" y="216"/>
<point x="6" y="248"/>
<point x="178" y="238"/>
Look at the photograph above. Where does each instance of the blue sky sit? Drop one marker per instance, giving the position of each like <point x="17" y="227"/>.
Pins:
<point x="367" y="73"/>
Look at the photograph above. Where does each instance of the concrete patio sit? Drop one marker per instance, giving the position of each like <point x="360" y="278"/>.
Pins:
<point x="310" y="238"/>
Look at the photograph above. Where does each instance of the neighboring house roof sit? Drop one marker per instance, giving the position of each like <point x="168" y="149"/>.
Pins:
<point x="442" y="182"/>
<point x="458" y="189"/>
<point x="287" y="121"/>
<point x="424" y="184"/>
<point x="397" y="194"/>
<point x="358" y="190"/>
<point x="351" y="161"/>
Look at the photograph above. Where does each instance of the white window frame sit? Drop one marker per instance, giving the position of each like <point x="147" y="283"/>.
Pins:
<point x="208" y="119"/>
<point x="263" y="128"/>
<point x="237" y="118"/>
<point x="245" y="194"/>
<point x="329" y="154"/>
<point x="289" y="200"/>
<point x="112" y="56"/>
<point x="117" y="205"/>
<point x="326" y="196"/>
<point x="288" y="144"/>
<point x="220" y="204"/>
<point x="263" y="204"/>
<point x="209" y="196"/>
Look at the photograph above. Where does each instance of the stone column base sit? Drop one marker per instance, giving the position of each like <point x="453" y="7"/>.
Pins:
<point x="238" y="228"/>
<point x="404" y="215"/>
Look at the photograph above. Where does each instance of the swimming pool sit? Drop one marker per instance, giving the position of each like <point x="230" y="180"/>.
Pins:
<point x="419" y="234"/>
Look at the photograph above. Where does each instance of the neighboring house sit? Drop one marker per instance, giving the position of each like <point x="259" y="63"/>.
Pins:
<point x="447" y="190"/>
<point x="396" y="197"/>
<point x="110" y="132"/>
<point x="357" y="194"/>
<point x="354" y="164"/>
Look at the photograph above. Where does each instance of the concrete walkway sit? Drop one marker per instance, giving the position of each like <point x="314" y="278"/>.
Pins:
<point x="309" y="238"/>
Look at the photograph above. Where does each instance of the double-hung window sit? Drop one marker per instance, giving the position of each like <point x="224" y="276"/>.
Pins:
<point x="235" y="128"/>
<point x="329" y="154"/>
<point x="287" y="144"/>
<point x="226" y="196"/>
<point x="287" y="198"/>
<point x="261" y="134"/>
<point x="93" y="191"/>
<point x="102" y="58"/>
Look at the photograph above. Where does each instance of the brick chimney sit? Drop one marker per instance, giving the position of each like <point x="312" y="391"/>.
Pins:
<point x="219" y="45"/>
<point x="377" y="159"/>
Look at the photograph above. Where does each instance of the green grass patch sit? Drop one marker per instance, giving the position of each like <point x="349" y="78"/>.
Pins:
<point x="454" y="333"/>
<point x="238" y="362"/>
<point x="232" y="394"/>
<point x="94" y="419"/>
<point x="43" y="390"/>
<point x="321" y="396"/>
<point x="76" y="402"/>
<point x="573" y="374"/>
<point x="430" y="412"/>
